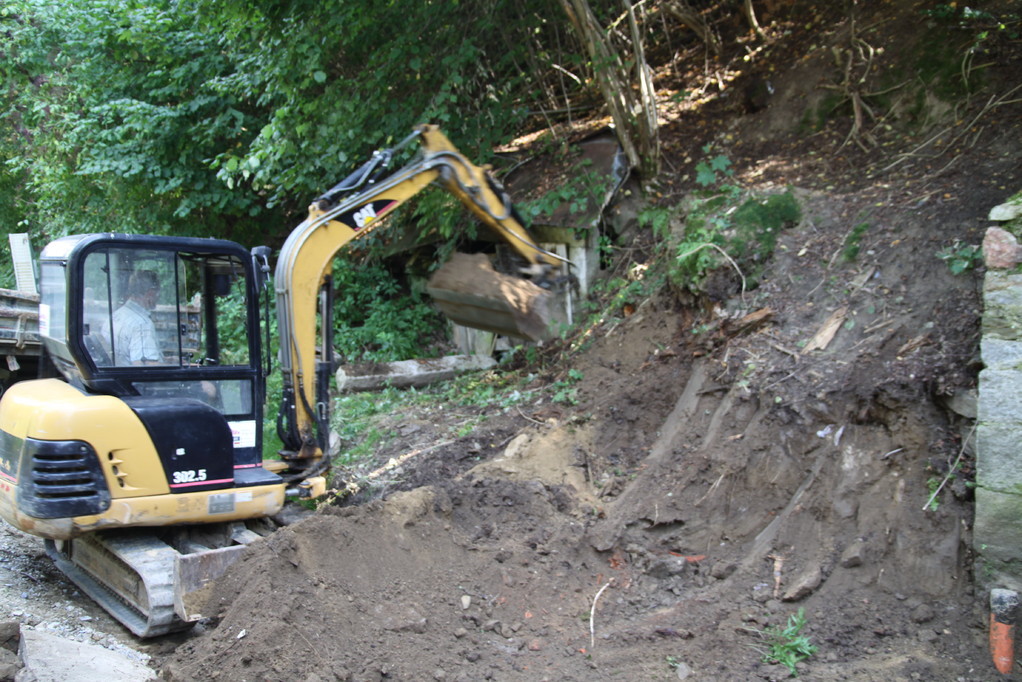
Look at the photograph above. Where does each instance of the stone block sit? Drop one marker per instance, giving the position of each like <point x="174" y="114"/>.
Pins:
<point x="1001" y="249"/>
<point x="999" y="452"/>
<point x="1002" y="305"/>
<point x="1009" y="210"/>
<point x="1000" y="354"/>
<point x="1003" y="284"/>
<point x="1000" y="397"/>
<point x="997" y="534"/>
<point x="965" y="402"/>
<point x="992" y="573"/>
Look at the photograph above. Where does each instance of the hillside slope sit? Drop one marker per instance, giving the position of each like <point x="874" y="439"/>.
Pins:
<point x="716" y="474"/>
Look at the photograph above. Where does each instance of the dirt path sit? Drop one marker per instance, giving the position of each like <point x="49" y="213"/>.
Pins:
<point x="36" y="595"/>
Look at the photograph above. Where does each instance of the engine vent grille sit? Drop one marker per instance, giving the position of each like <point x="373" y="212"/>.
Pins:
<point x="61" y="479"/>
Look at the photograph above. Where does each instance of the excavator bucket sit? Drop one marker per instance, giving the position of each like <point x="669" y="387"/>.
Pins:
<point x="471" y="293"/>
<point x="193" y="578"/>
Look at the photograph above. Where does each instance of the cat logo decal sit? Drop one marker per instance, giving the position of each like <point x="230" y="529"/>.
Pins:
<point x="367" y="214"/>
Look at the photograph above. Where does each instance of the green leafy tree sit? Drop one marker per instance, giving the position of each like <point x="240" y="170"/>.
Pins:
<point x="339" y="80"/>
<point x="377" y="319"/>
<point x="226" y="119"/>
<point x="115" y="117"/>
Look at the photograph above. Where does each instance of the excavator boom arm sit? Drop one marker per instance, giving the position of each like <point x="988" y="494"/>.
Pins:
<point x="305" y="265"/>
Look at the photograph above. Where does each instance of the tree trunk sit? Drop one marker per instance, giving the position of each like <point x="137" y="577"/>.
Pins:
<point x="684" y="13"/>
<point x="750" y="16"/>
<point x="632" y="117"/>
<point x="648" y="127"/>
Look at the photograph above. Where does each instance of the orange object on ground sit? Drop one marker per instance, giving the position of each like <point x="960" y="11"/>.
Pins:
<point x="1002" y="645"/>
<point x="1003" y="613"/>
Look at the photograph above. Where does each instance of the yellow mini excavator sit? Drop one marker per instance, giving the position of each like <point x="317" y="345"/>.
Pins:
<point x="143" y="467"/>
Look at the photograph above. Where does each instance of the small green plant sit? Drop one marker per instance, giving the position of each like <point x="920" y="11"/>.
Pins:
<point x="961" y="257"/>
<point x="932" y="486"/>
<point x="722" y="226"/>
<point x="787" y="645"/>
<point x="467" y="427"/>
<point x="566" y="391"/>
<point x="483" y="389"/>
<point x="713" y="171"/>
<point x="720" y="231"/>
<point x="850" y="251"/>
<point x="657" y="219"/>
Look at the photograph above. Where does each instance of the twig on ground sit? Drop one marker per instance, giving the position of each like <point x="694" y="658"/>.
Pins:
<point x="779" y="381"/>
<point x="526" y="417"/>
<point x="778" y="564"/>
<point x="951" y="469"/>
<point x="880" y="325"/>
<point x="22" y="573"/>
<point x="781" y="348"/>
<point x="351" y="488"/>
<point x="592" y="615"/>
<point x="712" y="488"/>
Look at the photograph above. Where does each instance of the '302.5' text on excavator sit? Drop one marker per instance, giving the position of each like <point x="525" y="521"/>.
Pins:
<point x="142" y="465"/>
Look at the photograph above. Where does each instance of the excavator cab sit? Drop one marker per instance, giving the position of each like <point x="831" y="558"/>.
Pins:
<point x="192" y="290"/>
<point x="163" y="324"/>
<point x="163" y="399"/>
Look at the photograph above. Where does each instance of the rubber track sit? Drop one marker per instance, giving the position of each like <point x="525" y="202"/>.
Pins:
<point x="139" y="586"/>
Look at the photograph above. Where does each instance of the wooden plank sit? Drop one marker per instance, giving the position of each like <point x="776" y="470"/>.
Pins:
<point x="822" y="338"/>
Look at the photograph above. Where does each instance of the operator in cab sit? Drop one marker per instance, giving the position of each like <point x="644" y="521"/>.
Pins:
<point x="134" y="336"/>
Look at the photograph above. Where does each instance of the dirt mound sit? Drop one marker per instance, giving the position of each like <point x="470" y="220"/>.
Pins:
<point x="697" y="512"/>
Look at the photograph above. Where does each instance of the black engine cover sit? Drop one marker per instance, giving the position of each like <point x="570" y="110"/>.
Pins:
<point x="193" y="440"/>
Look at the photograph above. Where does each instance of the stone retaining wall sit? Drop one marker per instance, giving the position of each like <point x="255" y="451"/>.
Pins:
<point x="997" y="535"/>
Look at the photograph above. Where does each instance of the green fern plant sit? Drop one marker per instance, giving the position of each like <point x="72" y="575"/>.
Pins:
<point x="787" y="645"/>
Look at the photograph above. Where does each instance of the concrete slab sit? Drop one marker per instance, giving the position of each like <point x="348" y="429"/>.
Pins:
<point x="50" y="658"/>
<point x="408" y="373"/>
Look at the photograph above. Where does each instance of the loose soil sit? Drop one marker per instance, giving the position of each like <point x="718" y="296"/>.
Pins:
<point x="715" y="475"/>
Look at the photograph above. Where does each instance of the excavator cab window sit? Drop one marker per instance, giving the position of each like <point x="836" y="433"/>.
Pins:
<point x="159" y="308"/>
<point x="154" y="317"/>
<point x="132" y="312"/>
